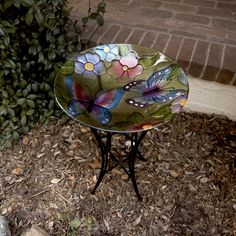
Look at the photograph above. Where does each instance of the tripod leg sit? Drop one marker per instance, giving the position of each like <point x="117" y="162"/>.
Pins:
<point x="137" y="143"/>
<point x="104" y="148"/>
<point x="132" y="157"/>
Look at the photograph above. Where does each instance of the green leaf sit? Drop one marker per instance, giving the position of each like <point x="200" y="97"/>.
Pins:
<point x="31" y="103"/>
<point x="148" y="61"/>
<point x="85" y="20"/>
<point x="21" y="101"/>
<point x="32" y="96"/>
<point x="26" y="3"/>
<point x="6" y="40"/>
<point x="39" y="17"/>
<point x="7" y="144"/>
<point x="76" y="223"/>
<point x="135" y="117"/>
<point x="16" y="3"/>
<point x="29" y="17"/>
<point x="5" y="94"/>
<point x="51" y="55"/>
<point x="23" y="120"/>
<point x="11" y="111"/>
<point x="1" y="32"/>
<point x="41" y="57"/>
<point x="3" y="111"/>
<point x="55" y="2"/>
<point x="16" y="135"/>
<point x="67" y="68"/>
<point x="101" y="7"/>
<point x="162" y="112"/>
<point x="88" y="223"/>
<point x="100" y="20"/>
<point x="30" y="112"/>
<point x="7" y="4"/>
<point x="93" y="15"/>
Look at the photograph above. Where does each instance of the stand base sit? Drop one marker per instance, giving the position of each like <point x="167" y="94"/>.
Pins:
<point x="104" y="142"/>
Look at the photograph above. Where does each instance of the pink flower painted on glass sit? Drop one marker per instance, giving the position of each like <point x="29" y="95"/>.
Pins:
<point x="127" y="67"/>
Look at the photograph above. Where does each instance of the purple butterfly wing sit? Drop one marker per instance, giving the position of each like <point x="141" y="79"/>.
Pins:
<point x="101" y="114"/>
<point x="139" y="87"/>
<point x="152" y="90"/>
<point x="156" y="86"/>
<point x="159" y="78"/>
<point x="79" y="100"/>
<point x="167" y="95"/>
<point x="76" y="107"/>
<point x="104" y="102"/>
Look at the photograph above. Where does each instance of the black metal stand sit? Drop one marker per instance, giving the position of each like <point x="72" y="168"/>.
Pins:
<point x="104" y="142"/>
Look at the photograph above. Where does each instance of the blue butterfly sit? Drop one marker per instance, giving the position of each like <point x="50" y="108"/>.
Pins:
<point x="153" y="90"/>
<point x="98" y="107"/>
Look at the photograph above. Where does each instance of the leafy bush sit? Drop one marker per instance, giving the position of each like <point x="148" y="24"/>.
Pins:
<point x="33" y="44"/>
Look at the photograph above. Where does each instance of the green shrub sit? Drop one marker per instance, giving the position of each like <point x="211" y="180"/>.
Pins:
<point x="33" y="45"/>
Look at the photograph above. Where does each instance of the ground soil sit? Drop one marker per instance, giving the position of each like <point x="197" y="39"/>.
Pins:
<point x="188" y="182"/>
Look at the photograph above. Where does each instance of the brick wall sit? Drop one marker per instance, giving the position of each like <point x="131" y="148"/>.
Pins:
<point x="199" y="34"/>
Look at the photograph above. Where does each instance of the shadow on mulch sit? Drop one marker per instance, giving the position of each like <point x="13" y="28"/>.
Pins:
<point x="188" y="182"/>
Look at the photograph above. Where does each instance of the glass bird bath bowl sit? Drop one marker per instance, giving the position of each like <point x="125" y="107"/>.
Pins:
<point x="121" y="88"/>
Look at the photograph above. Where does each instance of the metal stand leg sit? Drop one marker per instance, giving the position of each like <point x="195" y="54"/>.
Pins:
<point x="105" y="148"/>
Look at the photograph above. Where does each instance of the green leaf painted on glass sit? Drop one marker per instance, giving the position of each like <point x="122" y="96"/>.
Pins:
<point x="135" y="117"/>
<point x="148" y="61"/>
<point x="67" y="68"/>
<point x="168" y="116"/>
<point x="124" y="49"/>
<point x="162" y="112"/>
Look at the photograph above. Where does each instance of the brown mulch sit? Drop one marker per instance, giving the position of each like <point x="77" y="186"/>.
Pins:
<point x="188" y="183"/>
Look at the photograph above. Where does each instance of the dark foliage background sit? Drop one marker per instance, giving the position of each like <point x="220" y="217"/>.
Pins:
<point x="33" y="45"/>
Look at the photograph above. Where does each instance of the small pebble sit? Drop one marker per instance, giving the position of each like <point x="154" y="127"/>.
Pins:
<point x="192" y="188"/>
<point x="70" y="153"/>
<point x="204" y="180"/>
<point x="174" y="174"/>
<point x="234" y="206"/>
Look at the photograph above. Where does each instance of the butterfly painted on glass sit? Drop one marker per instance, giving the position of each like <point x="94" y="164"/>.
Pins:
<point x="98" y="106"/>
<point x="153" y="90"/>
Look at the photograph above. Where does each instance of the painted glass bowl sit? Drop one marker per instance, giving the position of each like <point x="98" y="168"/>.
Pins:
<point x="121" y="87"/>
